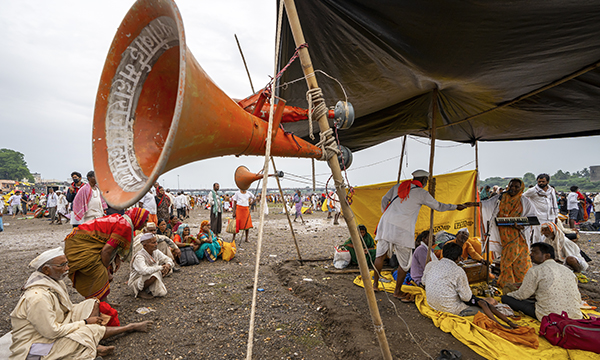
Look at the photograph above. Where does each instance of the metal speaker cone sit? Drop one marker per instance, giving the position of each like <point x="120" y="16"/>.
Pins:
<point x="156" y="109"/>
<point x="244" y="178"/>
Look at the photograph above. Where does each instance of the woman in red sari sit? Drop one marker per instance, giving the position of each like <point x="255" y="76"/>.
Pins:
<point x="96" y="248"/>
<point x="162" y="204"/>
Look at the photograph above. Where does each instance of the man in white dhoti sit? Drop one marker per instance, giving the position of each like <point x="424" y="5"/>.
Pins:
<point x="165" y="245"/>
<point x="45" y="323"/>
<point x="543" y="198"/>
<point x="148" y="267"/>
<point x="396" y="229"/>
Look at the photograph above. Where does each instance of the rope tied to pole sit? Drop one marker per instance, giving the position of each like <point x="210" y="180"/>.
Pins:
<point x="316" y="108"/>
<point x="328" y="145"/>
<point x="267" y="88"/>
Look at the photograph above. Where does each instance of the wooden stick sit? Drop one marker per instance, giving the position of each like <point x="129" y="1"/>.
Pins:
<point x="314" y="176"/>
<point x="401" y="158"/>
<point x="475" y="209"/>
<point x="286" y="211"/>
<point x="244" y="60"/>
<point x="434" y="115"/>
<point x="334" y="165"/>
<point x="353" y="271"/>
<point x="310" y="260"/>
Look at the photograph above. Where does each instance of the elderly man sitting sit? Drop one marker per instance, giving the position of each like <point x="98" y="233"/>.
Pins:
<point x="47" y="324"/>
<point x="165" y="244"/>
<point x="148" y="267"/>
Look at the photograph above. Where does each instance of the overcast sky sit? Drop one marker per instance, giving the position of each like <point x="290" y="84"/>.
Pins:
<point x="52" y="54"/>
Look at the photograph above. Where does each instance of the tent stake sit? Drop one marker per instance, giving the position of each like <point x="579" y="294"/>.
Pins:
<point x="286" y="212"/>
<point x="334" y="165"/>
<point x="434" y="115"/>
<point x="401" y="158"/>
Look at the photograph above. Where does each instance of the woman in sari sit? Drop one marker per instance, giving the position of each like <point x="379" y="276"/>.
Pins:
<point x="209" y="244"/>
<point x="370" y="249"/>
<point x="184" y="238"/>
<point x="515" y="259"/>
<point x="175" y="223"/>
<point x="96" y="248"/>
<point x="162" y="203"/>
<point x="164" y="228"/>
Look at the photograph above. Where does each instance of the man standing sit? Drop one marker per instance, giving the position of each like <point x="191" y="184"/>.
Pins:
<point x="72" y="192"/>
<point x="216" y="209"/>
<point x="148" y="202"/>
<point x="45" y="323"/>
<point x="51" y="204"/>
<point x="396" y="229"/>
<point x="89" y="203"/>
<point x="61" y="208"/>
<point x="543" y="198"/>
<point x="573" y="206"/>
<point x="15" y="202"/>
<point x="597" y="209"/>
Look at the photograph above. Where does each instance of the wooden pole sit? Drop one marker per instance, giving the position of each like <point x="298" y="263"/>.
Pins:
<point x="334" y="165"/>
<point x="314" y="175"/>
<point x="244" y="60"/>
<point x="434" y="115"/>
<point x="286" y="211"/>
<point x="401" y="158"/>
<point x="477" y="208"/>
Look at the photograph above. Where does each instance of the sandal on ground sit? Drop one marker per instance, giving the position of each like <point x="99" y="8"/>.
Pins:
<point x="449" y="355"/>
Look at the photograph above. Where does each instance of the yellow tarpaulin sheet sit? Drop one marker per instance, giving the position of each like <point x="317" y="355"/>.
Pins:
<point x="455" y="188"/>
<point x="483" y="342"/>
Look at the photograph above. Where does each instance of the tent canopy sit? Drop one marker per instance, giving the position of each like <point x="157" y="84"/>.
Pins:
<point x="391" y="55"/>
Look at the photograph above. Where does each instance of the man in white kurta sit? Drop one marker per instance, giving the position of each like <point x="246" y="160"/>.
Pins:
<point x="165" y="245"/>
<point x="148" y="267"/>
<point x="396" y="228"/>
<point x="46" y="323"/>
<point x="543" y="199"/>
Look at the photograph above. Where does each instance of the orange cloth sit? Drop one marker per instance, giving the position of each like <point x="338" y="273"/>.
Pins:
<point x="515" y="253"/>
<point x="523" y="335"/>
<point x="471" y="248"/>
<point x="243" y="221"/>
<point x="153" y="218"/>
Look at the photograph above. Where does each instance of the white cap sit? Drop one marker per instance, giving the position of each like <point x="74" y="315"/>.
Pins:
<point x="146" y="237"/>
<point x="420" y="173"/>
<point x="46" y="256"/>
<point x="150" y="225"/>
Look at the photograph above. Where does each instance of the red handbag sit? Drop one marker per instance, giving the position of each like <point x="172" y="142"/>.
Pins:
<point x="583" y="334"/>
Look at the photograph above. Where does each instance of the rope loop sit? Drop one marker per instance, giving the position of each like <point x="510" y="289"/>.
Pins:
<point x="328" y="145"/>
<point x="316" y="108"/>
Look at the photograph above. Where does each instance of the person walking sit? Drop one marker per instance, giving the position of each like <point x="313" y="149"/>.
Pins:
<point x="51" y="204"/>
<point x="298" y="203"/>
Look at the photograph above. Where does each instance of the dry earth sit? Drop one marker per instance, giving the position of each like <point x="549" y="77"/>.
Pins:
<point x="303" y="312"/>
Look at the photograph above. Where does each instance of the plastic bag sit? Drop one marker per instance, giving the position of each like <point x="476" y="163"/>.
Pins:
<point x="341" y="257"/>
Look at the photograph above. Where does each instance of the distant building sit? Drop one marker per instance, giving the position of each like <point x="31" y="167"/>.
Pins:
<point x="7" y="185"/>
<point x="37" y="177"/>
<point x="595" y="173"/>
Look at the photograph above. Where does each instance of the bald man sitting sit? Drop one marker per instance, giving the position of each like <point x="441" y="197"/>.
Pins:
<point x="45" y="323"/>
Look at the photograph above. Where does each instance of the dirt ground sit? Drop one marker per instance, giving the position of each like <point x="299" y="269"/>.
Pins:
<point x="304" y="312"/>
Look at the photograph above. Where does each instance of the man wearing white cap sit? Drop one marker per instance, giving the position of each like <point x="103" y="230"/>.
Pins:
<point x="148" y="267"/>
<point x="165" y="244"/>
<point x="47" y="324"/>
<point x="396" y="229"/>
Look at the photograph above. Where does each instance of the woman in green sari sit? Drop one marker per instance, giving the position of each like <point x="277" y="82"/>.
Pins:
<point x="209" y="244"/>
<point x="368" y="241"/>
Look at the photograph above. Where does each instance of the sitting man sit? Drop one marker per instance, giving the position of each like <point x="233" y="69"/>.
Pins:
<point x="565" y="250"/>
<point x="419" y="257"/>
<point x="554" y="287"/>
<point x="165" y="244"/>
<point x="148" y="267"/>
<point x="47" y="324"/>
<point x="471" y="247"/>
<point x="447" y="288"/>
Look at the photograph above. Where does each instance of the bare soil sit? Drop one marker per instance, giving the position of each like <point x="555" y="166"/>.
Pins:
<point x="302" y="313"/>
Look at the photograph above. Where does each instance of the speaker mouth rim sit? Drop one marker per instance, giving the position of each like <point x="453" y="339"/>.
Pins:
<point x="142" y="8"/>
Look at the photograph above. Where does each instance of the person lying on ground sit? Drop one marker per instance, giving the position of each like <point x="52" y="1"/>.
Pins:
<point x="553" y="285"/>
<point x="565" y="250"/>
<point x="148" y="268"/>
<point x="368" y="245"/>
<point x="46" y="323"/>
<point x="209" y="244"/>
<point x="447" y="288"/>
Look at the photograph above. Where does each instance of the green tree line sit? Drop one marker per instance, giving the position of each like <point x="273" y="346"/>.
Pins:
<point x="13" y="166"/>
<point x="561" y="180"/>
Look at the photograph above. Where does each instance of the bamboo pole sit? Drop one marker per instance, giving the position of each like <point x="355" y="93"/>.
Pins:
<point x="476" y="209"/>
<point x="401" y="158"/>
<point x="244" y="60"/>
<point x="314" y="175"/>
<point x="434" y="115"/>
<point x="286" y="211"/>
<point x="334" y="165"/>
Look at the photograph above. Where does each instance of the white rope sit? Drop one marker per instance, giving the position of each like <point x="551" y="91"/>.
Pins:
<point x="263" y="198"/>
<point x="316" y="108"/>
<point x="328" y="145"/>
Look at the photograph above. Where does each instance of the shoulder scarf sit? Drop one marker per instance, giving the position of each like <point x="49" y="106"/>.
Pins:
<point x="217" y="207"/>
<point x="404" y="188"/>
<point x="82" y="199"/>
<point x="552" y="194"/>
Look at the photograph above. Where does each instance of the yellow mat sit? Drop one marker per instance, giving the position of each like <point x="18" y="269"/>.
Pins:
<point x="481" y="341"/>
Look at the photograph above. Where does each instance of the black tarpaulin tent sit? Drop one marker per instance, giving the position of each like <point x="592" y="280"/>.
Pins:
<point x="391" y="55"/>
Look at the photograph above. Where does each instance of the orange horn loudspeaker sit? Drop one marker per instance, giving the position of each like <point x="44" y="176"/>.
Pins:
<point x="156" y="109"/>
<point x="244" y="178"/>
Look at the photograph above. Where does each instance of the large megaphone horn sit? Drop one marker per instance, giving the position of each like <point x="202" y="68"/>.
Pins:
<point x="156" y="109"/>
<point x="244" y="178"/>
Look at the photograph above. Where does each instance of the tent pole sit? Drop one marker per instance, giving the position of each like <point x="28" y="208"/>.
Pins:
<point x="314" y="176"/>
<point x="434" y="116"/>
<point x="475" y="209"/>
<point x="401" y="158"/>
<point x="286" y="211"/>
<point x="334" y="165"/>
